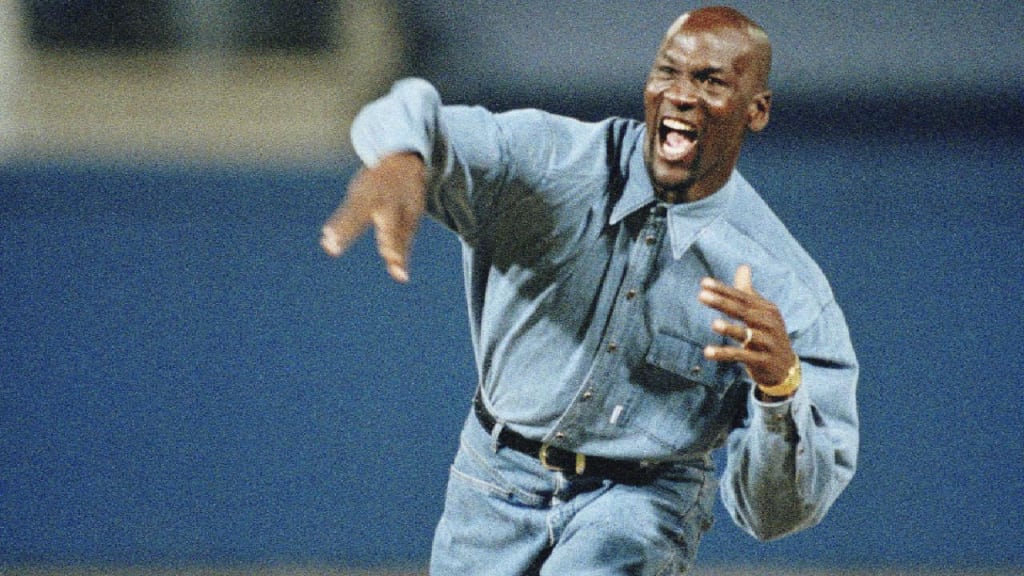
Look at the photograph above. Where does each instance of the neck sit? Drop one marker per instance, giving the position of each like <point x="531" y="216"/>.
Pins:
<point x="694" y="191"/>
<point x="691" y="194"/>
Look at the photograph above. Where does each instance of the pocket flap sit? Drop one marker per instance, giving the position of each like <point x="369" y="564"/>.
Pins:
<point x="686" y="358"/>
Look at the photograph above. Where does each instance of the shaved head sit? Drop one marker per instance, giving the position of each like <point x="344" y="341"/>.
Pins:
<point x="722" y="18"/>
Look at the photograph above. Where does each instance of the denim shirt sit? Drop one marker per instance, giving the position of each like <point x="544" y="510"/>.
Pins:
<point x="582" y="293"/>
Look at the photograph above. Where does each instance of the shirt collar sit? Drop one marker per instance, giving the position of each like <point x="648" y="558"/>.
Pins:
<point x="685" y="220"/>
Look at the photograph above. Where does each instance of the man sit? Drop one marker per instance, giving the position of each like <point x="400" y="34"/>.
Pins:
<point x="612" y="359"/>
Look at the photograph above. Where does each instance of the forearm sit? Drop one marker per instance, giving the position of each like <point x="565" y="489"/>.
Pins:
<point x="463" y="149"/>
<point x="793" y="458"/>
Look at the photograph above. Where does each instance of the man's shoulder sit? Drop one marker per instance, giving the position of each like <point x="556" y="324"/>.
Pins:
<point x="567" y="144"/>
<point x="751" y="217"/>
<point x="569" y="127"/>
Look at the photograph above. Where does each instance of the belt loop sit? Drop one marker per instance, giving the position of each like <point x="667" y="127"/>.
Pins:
<point x="495" y="433"/>
<point x="479" y="408"/>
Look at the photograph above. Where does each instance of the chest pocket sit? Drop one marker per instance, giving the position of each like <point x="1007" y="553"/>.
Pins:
<point x="685" y="359"/>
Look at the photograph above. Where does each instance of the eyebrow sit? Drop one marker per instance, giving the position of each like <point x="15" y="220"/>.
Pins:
<point x="667" y="56"/>
<point x="706" y="69"/>
<point x="713" y="71"/>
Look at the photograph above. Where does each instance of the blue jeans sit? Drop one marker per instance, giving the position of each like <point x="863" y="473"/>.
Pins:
<point x="505" y="514"/>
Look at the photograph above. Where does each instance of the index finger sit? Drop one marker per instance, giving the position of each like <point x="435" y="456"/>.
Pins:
<point x="349" y="220"/>
<point x="744" y="278"/>
<point x="343" y="227"/>
<point x="713" y="290"/>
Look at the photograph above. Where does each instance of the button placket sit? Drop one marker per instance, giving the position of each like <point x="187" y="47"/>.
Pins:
<point x="602" y="400"/>
<point x="626" y="318"/>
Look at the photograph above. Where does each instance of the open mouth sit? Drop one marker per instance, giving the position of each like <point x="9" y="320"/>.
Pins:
<point x="677" y="138"/>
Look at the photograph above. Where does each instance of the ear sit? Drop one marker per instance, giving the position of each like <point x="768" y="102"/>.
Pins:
<point x="759" y="111"/>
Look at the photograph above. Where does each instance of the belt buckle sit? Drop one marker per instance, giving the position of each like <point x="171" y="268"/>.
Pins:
<point x="581" y="461"/>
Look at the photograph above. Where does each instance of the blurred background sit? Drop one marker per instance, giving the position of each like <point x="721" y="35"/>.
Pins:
<point x="188" y="386"/>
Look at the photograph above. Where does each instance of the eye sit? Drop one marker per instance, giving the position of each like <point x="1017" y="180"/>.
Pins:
<point x="665" y="71"/>
<point x="711" y="78"/>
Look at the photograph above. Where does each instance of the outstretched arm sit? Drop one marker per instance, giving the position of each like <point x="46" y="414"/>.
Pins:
<point x="390" y="196"/>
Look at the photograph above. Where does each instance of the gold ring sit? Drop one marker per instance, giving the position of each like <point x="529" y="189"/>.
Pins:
<point x="748" y="335"/>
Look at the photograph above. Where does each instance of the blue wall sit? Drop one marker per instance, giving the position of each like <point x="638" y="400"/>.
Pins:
<point x="184" y="378"/>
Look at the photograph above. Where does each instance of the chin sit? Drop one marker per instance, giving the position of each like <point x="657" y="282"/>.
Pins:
<point x="672" y="182"/>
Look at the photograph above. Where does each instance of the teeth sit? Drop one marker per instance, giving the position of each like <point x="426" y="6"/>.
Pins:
<point x="673" y="124"/>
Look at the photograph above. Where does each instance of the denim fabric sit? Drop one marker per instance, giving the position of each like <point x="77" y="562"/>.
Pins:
<point x="506" y="515"/>
<point x="582" y="296"/>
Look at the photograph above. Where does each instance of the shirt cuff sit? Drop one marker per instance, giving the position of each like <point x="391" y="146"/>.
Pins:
<point x="777" y="417"/>
<point x="403" y="121"/>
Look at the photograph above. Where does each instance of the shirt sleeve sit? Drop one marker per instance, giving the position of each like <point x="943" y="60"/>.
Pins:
<point x="789" y="461"/>
<point x="471" y="153"/>
<point x="404" y="120"/>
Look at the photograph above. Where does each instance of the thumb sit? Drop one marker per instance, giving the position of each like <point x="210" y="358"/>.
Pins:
<point x="744" y="279"/>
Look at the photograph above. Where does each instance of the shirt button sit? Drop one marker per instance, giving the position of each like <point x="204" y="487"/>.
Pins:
<point x="588" y="394"/>
<point x="630" y="294"/>
<point x="612" y="346"/>
<point x="649" y="240"/>
<point x="695" y="370"/>
<point x="560" y="435"/>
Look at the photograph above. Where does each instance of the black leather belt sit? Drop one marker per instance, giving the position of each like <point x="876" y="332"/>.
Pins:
<point x="560" y="460"/>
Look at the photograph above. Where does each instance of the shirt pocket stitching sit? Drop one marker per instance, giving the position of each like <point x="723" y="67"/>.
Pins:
<point x="685" y="358"/>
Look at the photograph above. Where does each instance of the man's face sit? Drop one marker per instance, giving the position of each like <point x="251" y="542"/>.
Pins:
<point x="704" y="91"/>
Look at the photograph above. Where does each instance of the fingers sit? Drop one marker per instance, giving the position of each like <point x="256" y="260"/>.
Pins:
<point x="744" y="279"/>
<point x="394" y="236"/>
<point x="391" y="198"/>
<point x="741" y="304"/>
<point x="726" y="299"/>
<point x="751" y="358"/>
<point x="349" y="221"/>
<point x="742" y="288"/>
<point x="747" y="338"/>
<point x="742" y="334"/>
<point x="753" y="322"/>
<point x="746" y="307"/>
<point x="394" y="244"/>
<point x="341" y="229"/>
<point x="761" y="353"/>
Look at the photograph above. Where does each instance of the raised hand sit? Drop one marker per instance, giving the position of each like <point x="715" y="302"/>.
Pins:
<point x="764" y="346"/>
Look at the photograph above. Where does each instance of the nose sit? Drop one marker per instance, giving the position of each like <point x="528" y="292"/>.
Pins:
<point x="682" y="94"/>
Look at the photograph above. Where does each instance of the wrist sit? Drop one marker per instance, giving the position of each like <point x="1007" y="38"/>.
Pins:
<point x="783" y="390"/>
